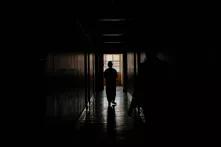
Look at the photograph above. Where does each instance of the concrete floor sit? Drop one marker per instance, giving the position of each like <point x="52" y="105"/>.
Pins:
<point x="100" y="124"/>
<point x="111" y="125"/>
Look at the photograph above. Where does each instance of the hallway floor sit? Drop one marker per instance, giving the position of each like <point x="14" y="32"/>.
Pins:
<point x="100" y="124"/>
<point x="111" y="125"/>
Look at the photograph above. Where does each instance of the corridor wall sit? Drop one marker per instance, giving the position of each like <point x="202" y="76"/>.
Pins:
<point x="70" y="79"/>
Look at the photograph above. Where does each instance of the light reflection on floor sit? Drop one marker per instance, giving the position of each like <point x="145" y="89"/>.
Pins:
<point x="112" y="124"/>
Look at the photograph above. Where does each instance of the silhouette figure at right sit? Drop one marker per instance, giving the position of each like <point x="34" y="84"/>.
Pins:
<point x="149" y="85"/>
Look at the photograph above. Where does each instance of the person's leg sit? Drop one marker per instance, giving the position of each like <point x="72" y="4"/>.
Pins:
<point x="132" y="106"/>
<point x="113" y="100"/>
<point x="108" y="96"/>
<point x="113" y="95"/>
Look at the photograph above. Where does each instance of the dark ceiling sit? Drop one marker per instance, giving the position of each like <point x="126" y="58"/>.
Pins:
<point x="105" y="24"/>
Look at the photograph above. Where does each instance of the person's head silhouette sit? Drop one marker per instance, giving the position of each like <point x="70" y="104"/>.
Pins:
<point x="151" y="52"/>
<point x="110" y="64"/>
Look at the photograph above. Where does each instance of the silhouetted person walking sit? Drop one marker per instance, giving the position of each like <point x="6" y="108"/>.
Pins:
<point x="110" y="75"/>
<point x="150" y="85"/>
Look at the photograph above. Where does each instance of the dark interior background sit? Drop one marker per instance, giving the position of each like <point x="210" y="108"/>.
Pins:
<point x="187" y="31"/>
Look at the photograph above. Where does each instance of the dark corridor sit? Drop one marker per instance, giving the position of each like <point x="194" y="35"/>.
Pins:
<point x="76" y="110"/>
<point x="171" y="75"/>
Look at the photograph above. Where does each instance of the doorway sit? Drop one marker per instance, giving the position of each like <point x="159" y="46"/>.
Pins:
<point x="117" y="60"/>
